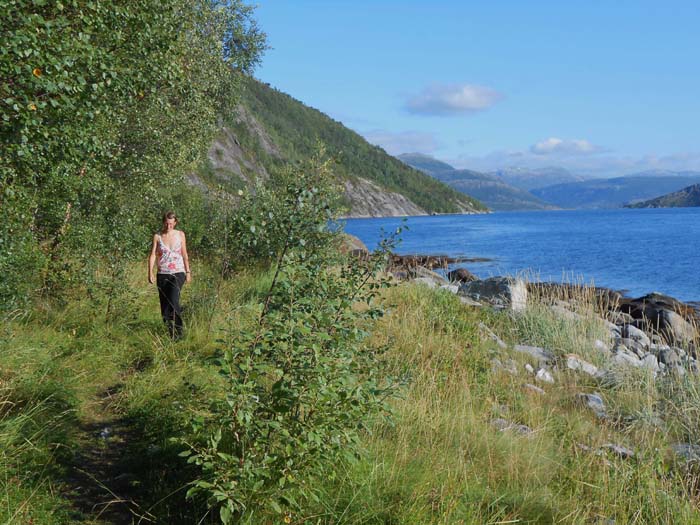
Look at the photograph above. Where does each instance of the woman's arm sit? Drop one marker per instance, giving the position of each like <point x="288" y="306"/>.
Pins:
<point x="185" y="258"/>
<point x="152" y="260"/>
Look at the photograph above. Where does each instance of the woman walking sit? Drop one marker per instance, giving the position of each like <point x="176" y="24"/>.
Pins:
<point x="170" y="251"/>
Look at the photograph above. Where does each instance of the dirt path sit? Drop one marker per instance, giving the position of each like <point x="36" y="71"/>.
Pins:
<point x="100" y="486"/>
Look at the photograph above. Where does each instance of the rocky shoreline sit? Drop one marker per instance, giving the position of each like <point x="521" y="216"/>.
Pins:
<point x="655" y="331"/>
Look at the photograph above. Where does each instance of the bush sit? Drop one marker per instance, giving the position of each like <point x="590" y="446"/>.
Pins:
<point x="301" y="383"/>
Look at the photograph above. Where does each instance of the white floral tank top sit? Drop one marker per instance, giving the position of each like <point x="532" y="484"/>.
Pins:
<point x="170" y="260"/>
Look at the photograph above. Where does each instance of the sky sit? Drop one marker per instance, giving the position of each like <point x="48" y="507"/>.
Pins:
<point x="602" y="88"/>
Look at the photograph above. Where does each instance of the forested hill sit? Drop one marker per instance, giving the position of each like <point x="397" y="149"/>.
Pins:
<point x="268" y="129"/>
<point x="686" y="198"/>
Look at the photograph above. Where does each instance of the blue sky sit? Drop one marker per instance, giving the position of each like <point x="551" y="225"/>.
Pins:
<point x="599" y="87"/>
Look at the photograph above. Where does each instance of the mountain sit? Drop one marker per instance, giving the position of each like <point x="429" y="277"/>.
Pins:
<point x="530" y="179"/>
<point x="613" y="193"/>
<point x="489" y="189"/>
<point x="686" y="198"/>
<point x="270" y="129"/>
<point x="664" y="173"/>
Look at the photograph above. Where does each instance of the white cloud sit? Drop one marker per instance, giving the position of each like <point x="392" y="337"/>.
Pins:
<point x="396" y="143"/>
<point x="452" y="99"/>
<point x="557" y="146"/>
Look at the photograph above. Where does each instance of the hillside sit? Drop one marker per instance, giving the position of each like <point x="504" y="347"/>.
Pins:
<point x="270" y="129"/>
<point x="686" y="198"/>
<point x="612" y="193"/>
<point x="489" y="189"/>
<point x="530" y="179"/>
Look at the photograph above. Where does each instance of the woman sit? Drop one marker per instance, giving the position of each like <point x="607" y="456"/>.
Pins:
<point x="170" y="249"/>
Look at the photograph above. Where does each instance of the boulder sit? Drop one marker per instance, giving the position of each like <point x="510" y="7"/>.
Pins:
<point x="543" y="356"/>
<point x="618" y="450"/>
<point x="544" y="376"/>
<point x="461" y="276"/>
<point x="500" y="291"/>
<point x="504" y="425"/>
<point x="625" y="358"/>
<point x="574" y="362"/>
<point x="421" y="272"/>
<point x="353" y="245"/>
<point x="687" y="452"/>
<point x="629" y="331"/>
<point x="669" y="357"/>
<point x="594" y="402"/>
<point x="664" y="315"/>
<point x="491" y="335"/>
<point x="534" y="389"/>
<point x="650" y="362"/>
<point x="427" y="281"/>
<point x="601" y="346"/>
<point x="452" y="288"/>
<point x="468" y="302"/>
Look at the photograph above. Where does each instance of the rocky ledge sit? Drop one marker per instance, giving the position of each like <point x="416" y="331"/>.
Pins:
<point x="655" y="332"/>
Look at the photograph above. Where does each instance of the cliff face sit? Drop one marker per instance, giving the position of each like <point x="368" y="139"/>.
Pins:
<point x="269" y="129"/>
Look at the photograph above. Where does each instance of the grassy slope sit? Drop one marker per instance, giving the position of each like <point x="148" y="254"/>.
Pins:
<point x="439" y="462"/>
<point x="297" y="129"/>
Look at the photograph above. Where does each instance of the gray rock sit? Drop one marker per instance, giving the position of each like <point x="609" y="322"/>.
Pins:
<point x="601" y="346"/>
<point x="461" y="275"/>
<point x="503" y="425"/>
<point x="542" y="355"/>
<point x="657" y="347"/>
<point x="621" y="318"/>
<point x="491" y="335"/>
<point x="687" y="452"/>
<point x="452" y="288"/>
<point x="633" y="345"/>
<point x="426" y="281"/>
<point x="594" y="402"/>
<point x="669" y="357"/>
<point x="574" y="362"/>
<point x="529" y="368"/>
<point x="619" y="450"/>
<point x="675" y="327"/>
<point x="650" y="362"/>
<point x="564" y="313"/>
<point x="500" y="291"/>
<point x="624" y="358"/>
<point x="533" y="388"/>
<point x="629" y="331"/>
<point x="544" y="376"/>
<point x="425" y="273"/>
<point x="468" y="301"/>
<point x="510" y="366"/>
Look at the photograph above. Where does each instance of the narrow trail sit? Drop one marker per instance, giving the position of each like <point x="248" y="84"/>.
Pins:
<point x="99" y="485"/>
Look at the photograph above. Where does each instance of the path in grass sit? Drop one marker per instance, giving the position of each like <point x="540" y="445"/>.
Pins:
<point x="100" y="486"/>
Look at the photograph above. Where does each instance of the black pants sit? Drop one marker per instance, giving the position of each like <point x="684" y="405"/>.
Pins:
<point x="169" y="286"/>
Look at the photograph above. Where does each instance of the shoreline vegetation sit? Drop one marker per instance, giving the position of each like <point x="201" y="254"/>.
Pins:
<point x="535" y="414"/>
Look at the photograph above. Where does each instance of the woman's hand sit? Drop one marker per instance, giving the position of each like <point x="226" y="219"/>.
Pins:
<point x="151" y="279"/>
<point x="188" y="277"/>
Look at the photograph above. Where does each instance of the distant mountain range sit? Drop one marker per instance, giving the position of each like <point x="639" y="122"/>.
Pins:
<point x="616" y="192"/>
<point x="490" y="189"/>
<point x="531" y="179"/>
<point x="688" y="197"/>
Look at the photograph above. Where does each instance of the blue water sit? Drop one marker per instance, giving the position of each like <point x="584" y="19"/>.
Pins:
<point x="638" y="251"/>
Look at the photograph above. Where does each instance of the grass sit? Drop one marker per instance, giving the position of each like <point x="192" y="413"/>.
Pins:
<point x="439" y="460"/>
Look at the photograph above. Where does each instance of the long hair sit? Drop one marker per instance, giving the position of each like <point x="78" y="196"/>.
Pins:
<point x="168" y="215"/>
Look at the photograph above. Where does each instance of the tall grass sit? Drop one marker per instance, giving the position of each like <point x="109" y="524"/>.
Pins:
<point x="443" y="462"/>
<point x="438" y="460"/>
